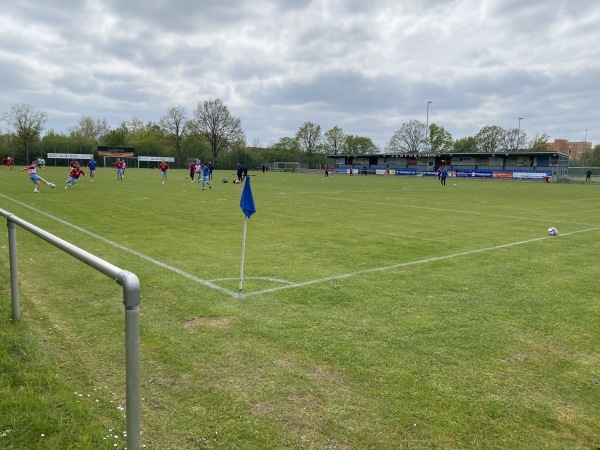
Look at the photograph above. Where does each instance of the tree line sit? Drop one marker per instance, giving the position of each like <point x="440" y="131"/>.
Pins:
<point x="211" y="133"/>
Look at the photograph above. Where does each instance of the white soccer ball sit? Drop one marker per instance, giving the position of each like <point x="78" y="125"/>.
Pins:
<point x="52" y="185"/>
<point x="552" y="231"/>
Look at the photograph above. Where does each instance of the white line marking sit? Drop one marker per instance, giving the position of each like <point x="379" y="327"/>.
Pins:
<point x="133" y="252"/>
<point x="412" y="263"/>
<point x="291" y="284"/>
<point x="275" y="280"/>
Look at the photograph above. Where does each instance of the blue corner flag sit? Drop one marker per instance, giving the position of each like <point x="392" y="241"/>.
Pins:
<point x="247" y="201"/>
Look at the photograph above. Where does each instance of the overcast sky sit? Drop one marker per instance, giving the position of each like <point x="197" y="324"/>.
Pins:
<point x="366" y="66"/>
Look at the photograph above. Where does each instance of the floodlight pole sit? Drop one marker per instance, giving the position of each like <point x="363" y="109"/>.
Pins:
<point x="519" y="133"/>
<point x="427" y="126"/>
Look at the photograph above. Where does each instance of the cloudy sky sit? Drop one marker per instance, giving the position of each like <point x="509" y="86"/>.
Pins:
<point x="366" y="66"/>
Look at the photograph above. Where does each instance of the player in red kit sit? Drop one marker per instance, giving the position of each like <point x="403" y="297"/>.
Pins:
<point x="164" y="169"/>
<point x="74" y="175"/>
<point x="120" y="168"/>
<point x="192" y="168"/>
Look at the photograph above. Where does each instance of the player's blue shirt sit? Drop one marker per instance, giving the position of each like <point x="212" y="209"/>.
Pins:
<point x="92" y="165"/>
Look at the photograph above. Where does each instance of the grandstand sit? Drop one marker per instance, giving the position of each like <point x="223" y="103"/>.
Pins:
<point x="521" y="165"/>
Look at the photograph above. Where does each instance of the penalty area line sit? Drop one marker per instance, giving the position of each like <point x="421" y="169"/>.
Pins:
<point x="412" y="263"/>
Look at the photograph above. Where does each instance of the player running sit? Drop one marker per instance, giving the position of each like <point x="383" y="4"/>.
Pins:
<point x="92" y="165"/>
<point x="74" y="175"/>
<point x="164" y="169"/>
<point x="206" y="176"/>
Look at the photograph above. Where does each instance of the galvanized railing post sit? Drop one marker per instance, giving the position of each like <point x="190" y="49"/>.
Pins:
<point x="14" y="269"/>
<point x="131" y="301"/>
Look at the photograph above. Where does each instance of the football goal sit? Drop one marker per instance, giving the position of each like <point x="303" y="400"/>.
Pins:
<point x="287" y="166"/>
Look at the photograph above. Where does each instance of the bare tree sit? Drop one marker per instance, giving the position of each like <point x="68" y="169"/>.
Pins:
<point x="26" y="124"/>
<point x="135" y="126"/>
<point x="409" y="138"/>
<point x="213" y="122"/>
<point x="173" y="124"/>
<point x="335" y="140"/>
<point x="514" y="139"/>
<point x="309" y="137"/>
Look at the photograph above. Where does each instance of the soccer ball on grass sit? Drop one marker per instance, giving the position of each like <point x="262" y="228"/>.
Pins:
<point x="552" y="231"/>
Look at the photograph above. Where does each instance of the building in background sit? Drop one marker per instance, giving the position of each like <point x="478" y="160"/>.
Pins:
<point x="575" y="150"/>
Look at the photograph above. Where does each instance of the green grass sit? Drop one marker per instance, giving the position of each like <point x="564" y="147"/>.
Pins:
<point x="377" y="314"/>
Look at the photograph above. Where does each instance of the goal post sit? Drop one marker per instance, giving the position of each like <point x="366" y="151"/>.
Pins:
<point x="287" y="166"/>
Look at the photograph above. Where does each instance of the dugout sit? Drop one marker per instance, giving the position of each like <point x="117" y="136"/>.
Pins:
<point x="521" y="165"/>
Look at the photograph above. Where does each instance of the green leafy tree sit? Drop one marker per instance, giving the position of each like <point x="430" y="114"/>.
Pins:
<point x="196" y="147"/>
<point x="214" y="123"/>
<point x="26" y="124"/>
<point x="173" y="124"/>
<point x="465" y="145"/>
<point x="334" y="140"/>
<point x="410" y="138"/>
<point x="116" y="137"/>
<point x="595" y="160"/>
<point x="309" y="138"/>
<point x="359" y="145"/>
<point x="287" y="144"/>
<point x="440" y="140"/>
<point x="539" y="143"/>
<point x="490" y="139"/>
<point x="54" y="142"/>
<point x="147" y="139"/>
<point x="6" y="147"/>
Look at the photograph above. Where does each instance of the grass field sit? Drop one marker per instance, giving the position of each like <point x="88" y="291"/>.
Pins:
<point x="377" y="314"/>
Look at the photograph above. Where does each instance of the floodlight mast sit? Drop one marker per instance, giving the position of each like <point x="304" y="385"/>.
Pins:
<point x="519" y="133"/>
<point x="427" y="126"/>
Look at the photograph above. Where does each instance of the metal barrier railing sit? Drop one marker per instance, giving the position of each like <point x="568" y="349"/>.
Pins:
<point x="131" y="300"/>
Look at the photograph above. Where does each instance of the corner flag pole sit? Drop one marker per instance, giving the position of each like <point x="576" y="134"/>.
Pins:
<point x="248" y="208"/>
<point x="243" y="252"/>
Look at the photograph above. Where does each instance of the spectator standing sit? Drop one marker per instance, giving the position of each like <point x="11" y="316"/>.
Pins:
<point x="240" y="172"/>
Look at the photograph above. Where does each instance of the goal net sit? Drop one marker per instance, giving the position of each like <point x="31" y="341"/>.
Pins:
<point x="287" y="166"/>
